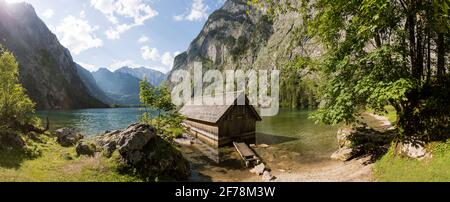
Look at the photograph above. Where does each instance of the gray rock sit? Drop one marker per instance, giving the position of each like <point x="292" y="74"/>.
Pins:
<point x="259" y="169"/>
<point x="135" y="137"/>
<point x="11" y="141"/>
<point x="416" y="151"/>
<point x="343" y="136"/>
<point x="343" y="154"/>
<point x="85" y="149"/>
<point x="67" y="137"/>
<point x="267" y="176"/>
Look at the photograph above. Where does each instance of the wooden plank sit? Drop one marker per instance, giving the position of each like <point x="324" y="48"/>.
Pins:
<point x="243" y="149"/>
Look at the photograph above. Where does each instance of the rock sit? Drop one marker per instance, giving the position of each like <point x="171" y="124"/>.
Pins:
<point x="85" y="149"/>
<point x="282" y="170"/>
<point x="416" y="151"/>
<point x="144" y="153"/>
<point x="267" y="176"/>
<point x="263" y="145"/>
<point x="67" y="137"/>
<point x="343" y="136"/>
<point x="343" y="154"/>
<point x="135" y="137"/>
<point x="259" y="169"/>
<point x="11" y="141"/>
<point x="109" y="148"/>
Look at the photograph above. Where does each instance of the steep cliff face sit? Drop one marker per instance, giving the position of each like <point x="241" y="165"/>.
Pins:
<point x="46" y="68"/>
<point x="234" y="38"/>
<point x="238" y="36"/>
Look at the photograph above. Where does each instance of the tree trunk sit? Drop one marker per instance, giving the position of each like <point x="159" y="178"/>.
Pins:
<point x="440" y="55"/>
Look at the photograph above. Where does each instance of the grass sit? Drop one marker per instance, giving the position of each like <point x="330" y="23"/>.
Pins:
<point x="400" y="169"/>
<point x="49" y="162"/>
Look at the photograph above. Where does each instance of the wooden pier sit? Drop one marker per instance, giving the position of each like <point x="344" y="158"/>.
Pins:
<point x="247" y="154"/>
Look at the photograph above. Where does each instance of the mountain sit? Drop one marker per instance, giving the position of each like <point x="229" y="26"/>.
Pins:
<point x="91" y="84"/>
<point x="154" y="77"/>
<point x="233" y="38"/>
<point x="46" y="68"/>
<point x="123" y="88"/>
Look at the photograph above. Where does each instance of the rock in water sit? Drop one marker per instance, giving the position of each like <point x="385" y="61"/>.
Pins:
<point x="67" y="137"/>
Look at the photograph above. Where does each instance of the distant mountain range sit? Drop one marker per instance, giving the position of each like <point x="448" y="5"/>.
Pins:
<point x="121" y="86"/>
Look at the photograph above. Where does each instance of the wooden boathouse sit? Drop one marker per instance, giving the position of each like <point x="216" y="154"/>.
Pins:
<point x="221" y="125"/>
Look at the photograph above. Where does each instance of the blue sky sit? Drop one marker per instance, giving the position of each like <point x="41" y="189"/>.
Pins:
<point x="116" y="33"/>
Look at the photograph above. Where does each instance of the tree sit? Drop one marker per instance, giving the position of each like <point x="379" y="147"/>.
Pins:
<point x="17" y="112"/>
<point x="375" y="55"/>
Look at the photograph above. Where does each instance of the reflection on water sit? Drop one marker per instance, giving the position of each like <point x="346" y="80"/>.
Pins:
<point x="93" y="121"/>
<point x="293" y="131"/>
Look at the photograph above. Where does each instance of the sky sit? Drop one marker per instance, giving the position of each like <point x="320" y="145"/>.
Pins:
<point x="117" y="33"/>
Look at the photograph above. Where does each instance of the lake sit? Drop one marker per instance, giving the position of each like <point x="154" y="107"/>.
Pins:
<point x="290" y="130"/>
<point x="93" y="121"/>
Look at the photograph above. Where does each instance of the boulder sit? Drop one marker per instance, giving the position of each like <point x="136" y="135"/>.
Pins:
<point x="144" y="153"/>
<point x="67" y="137"/>
<point x="11" y="141"/>
<point x="135" y="137"/>
<point x="343" y="154"/>
<point x="259" y="169"/>
<point x="85" y="149"/>
<point x="343" y="137"/>
<point x="416" y="151"/>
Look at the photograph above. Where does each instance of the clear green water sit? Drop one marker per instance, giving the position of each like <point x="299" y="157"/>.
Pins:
<point x="292" y="130"/>
<point x="93" y="121"/>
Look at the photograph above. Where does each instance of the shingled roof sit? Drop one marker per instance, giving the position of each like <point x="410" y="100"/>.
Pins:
<point x="213" y="113"/>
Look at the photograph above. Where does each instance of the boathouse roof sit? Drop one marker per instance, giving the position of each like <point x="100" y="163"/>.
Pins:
<point x="213" y="113"/>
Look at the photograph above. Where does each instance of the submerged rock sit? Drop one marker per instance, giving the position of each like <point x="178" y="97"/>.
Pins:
<point x="67" y="137"/>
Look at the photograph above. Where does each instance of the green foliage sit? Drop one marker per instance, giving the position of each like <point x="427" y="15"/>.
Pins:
<point x="299" y="86"/>
<point x="381" y="53"/>
<point x="16" y="108"/>
<point x="155" y="97"/>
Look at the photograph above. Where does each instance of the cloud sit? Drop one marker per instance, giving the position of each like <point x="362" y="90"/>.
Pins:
<point x="135" y="9"/>
<point x="48" y="13"/>
<point x="164" y="61"/>
<point x="77" y="34"/>
<point x="198" y="12"/>
<point x="143" y="39"/>
<point x="150" y="53"/>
